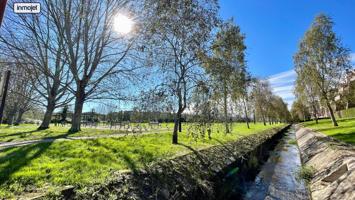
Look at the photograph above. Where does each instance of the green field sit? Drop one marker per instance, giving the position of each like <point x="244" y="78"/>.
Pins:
<point x="45" y="166"/>
<point x="344" y="132"/>
<point x="30" y="132"/>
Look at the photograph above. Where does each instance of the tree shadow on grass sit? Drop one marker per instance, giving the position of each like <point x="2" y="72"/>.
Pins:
<point x="144" y="157"/>
<point x="17" y="133"/>
<point x="345" y="137"/>
<point x="24" y="135"/>
<point x="40" y="139"/>
<point x="20" y="157"/>
<point x="334" y="128"/>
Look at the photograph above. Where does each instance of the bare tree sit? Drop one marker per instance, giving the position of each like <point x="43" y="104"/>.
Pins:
<point x="261" y="94"/>
<point x="20" y="94"/>
<point x="306" y="93"/>
<point x="241" y="93"/>
<point x="33" y="41"/>
<point x="94" y="51"/>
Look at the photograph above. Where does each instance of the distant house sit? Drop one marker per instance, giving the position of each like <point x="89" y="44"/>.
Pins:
<point x="344" y="99"/>
<point x="346" y="92"/>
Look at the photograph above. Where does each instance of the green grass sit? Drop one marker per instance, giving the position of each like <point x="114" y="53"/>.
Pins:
<point x="46" y="166"/>
<point x="293" y="141"/>
<point x="306" y="173"/>
<point x="30" y="132"/>
<point x="344" y="132"/>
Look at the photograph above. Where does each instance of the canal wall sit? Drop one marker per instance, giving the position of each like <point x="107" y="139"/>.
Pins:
<point x="197" y="175"/>
<point x="332" y="164"/>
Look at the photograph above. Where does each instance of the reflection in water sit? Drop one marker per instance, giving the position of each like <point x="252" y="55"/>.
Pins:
<point x="278" y="176"/>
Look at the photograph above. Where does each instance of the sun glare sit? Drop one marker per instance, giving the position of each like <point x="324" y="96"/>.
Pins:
<point x="122" y="24"/>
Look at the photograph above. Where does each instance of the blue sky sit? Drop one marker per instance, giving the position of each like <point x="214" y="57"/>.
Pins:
<point x="274" y="28"/>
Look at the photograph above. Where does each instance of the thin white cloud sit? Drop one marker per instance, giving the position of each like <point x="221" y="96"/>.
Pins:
<point x="282" y="76"/>
<point x="282" y="84"/>
<point x="283" y="88"/>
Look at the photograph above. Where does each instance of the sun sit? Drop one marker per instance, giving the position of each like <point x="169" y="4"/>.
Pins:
<point x="122" y="24"/>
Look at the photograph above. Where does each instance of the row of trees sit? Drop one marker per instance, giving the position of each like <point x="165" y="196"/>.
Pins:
<point x="321" y="64"/>
<point x="69" y="51"/>
<point x="19" y="96"/>
<point x="70" y="54"/>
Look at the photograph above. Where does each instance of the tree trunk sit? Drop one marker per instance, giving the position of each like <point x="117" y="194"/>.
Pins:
<point x="304" y="115"/>
<point x="180" y="124"/>
<point x="246" y="113"/>
<point x="4" y="92"/>
<point x="176" y="127"/>
<point x="264" y="120"/>
<point x="225" y="107"/>
<point x="48" y="114"/>
<point x="78" y="109"/>
<point x="19" y="117"/>
<point x="10" y="116"/>
<point x="315" y="113"/>
<point x="331" y="113"/>
<point x="254" y="117"/>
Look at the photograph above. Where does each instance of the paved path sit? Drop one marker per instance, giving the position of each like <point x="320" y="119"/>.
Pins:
<point x="69" y="138"/>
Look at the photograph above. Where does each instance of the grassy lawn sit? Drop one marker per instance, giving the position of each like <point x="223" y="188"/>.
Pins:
<point x="46" y="166"/>
<point x="30" y="132"/>
<point x="345" y="131"/>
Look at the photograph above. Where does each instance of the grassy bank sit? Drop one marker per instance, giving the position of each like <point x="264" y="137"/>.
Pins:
<point x="46" y="166"/>
<point x="344" y="132"/>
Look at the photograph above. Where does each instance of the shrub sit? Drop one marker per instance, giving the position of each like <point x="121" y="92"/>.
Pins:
<point x="306" y="173"/>
<point x="349" y="113"/>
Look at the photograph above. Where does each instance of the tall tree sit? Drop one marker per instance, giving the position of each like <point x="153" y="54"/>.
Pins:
<point x="241" y="91"/>
<point x="93" y="50"/>
<point x="299" y="111"/>
<point x="306" y="93"/>
<point x="226" y="63"/>
<point x="280" y="112"/>
<point x="42" y="57"/>
<point x="203" y="109"/>
<point x="21" y="94"/>
<point x="64" y="114"/>
<point x="348" y="95"/>
<point x="261" y="95"/>
<point x="323" y="60"/>
<point x="179" y="30"/>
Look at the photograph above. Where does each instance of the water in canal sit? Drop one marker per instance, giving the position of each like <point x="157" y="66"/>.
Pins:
<point x="278" y="177"/>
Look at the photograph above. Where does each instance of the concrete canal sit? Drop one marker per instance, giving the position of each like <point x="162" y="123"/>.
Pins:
<point x="270" y="173"/>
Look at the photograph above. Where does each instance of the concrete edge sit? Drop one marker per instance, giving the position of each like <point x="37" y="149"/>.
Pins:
<point x="333" y="163"/>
